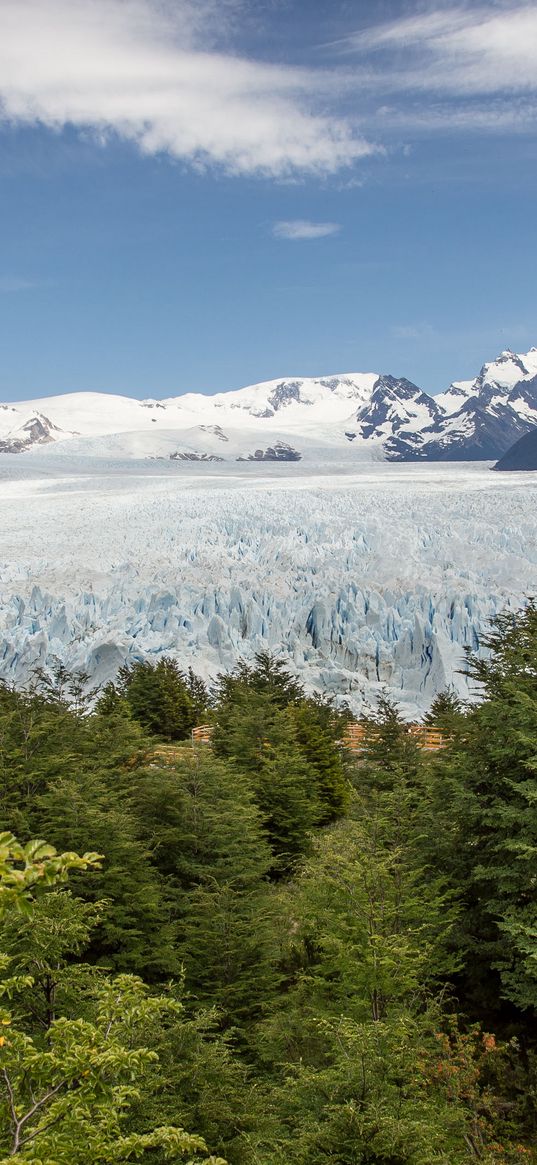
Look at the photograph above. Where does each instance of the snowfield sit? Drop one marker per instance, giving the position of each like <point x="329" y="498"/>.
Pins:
<point x="364" y="577"/>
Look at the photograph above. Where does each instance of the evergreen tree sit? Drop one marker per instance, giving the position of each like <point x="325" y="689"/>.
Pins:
<point x="203" y="818"/>
<point x="291" y="747"/>
<point x="389" y="745"/>
<point x="40" y="740"/>
<point x="496" y="774"/>
<point x="446" y="712"/>
<point x="319" y="731"/>
<point x="286" y="794"/>
<point x="159" y="697"/>
<point x="42" y="947"/>
<point x="214" y="857"/>
<point x="267" y="676"/>
<point x="199" y="695"/>
<point x="135" y="932"/>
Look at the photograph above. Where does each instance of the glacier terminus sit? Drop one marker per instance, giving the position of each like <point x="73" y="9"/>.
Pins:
<point x="362" y="577"/>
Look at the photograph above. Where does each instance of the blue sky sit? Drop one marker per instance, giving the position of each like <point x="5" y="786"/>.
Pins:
<point x="197" y="196"/>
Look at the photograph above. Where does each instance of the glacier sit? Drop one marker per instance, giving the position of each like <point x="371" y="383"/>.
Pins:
<point x="365" y="579"/>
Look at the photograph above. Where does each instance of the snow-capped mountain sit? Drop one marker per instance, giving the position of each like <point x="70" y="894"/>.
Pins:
<point x="485" y="416"/>
<point x="352" y="416"/>
<point x="20" y="430"/>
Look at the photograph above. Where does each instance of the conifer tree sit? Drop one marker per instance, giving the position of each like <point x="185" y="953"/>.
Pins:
<point x="319" y="731"/>
<point x="159" y="698"/>
<point x="496" y="772"/>
<point x="135" y="932"/>
<point x="213" y="854"/>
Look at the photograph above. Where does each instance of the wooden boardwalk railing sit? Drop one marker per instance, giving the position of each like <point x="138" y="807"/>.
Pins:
<point x="202" y="734"/>
<point x="430" y="739"/>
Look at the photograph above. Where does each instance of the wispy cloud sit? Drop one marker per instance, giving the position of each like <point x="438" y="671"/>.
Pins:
<point x="419" y="331"/>
<point x="477" y="62"/>
<point x="303" y="229"/>
<point x="11" y="284"/>
<point x="152" y="71"/>
<point x="469" y="48"/>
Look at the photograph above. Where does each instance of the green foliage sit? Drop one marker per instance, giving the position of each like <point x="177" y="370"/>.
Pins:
<point x="159" y="696"/>
<point x="38" y="737"/>
<point x="33" y="867"/>
<point x="389" y="746"/>
<point x="282" y="783"/>
<point x="375" y="923"/>
<point x="66" y="1099"/>
<point x="290" y="747"/>
<point x="214" y="857"/>
<point x="446" y="712"/>
<point x="486" y="816"/>
<point x="327" y="914"/>
<point x="205" y="1085"/>
<point x="42" y="945"/>
<point x="202" y="815"/>
<point x="401" y="1092"/>
<point x="319" y="729"/>
<point x="267" y="678"/>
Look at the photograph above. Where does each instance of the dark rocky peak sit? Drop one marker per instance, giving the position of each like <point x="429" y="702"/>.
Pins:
<point x="39" y="428"/>
<point x="284" y="393"/>
<point x="394" y="400"/>
<point x="334" y="382"/>
<point x="280" y="451"/>
<point x="522" y="455"/>
<point x="397" y="388"/>
<point x="36" y="430"/>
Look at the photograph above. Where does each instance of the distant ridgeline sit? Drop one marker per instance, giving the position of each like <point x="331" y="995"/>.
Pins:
<point x="303" y="941"/>
<point x="346" y="417"/>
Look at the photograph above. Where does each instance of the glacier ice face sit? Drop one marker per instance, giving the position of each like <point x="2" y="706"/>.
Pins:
<point x="376" y="578"/>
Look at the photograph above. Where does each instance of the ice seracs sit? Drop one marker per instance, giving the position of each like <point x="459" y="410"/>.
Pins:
<point x="360" y="581"/>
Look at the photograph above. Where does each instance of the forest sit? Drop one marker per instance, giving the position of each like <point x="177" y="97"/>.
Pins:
<point x="267" y="949"/>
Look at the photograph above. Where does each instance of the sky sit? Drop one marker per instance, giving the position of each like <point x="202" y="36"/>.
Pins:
<point x="197" y="195"/>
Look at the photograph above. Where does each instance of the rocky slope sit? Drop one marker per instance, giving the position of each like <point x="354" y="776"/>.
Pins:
<point x="522" y="455"/>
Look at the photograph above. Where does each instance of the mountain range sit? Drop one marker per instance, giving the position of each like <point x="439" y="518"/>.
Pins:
<point x="352" y="416"/>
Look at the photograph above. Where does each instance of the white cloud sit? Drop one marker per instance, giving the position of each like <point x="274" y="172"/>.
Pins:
<point x="151" y="71"/>
<point x="302" y="229"/>
<point x="463" y="49"/>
